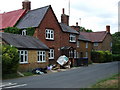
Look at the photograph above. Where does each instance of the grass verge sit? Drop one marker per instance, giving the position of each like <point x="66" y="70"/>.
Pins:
<point x="111" y="82"/>
<point x="16" y="75"/>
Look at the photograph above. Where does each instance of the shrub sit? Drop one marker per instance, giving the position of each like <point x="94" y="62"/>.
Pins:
<point x="101" y="56"/>
<point x="116" y="57"/>
<point x="10" y="59"/>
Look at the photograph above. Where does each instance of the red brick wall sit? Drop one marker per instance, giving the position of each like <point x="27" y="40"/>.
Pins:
<point x="50" y="22"/>
<point x="105" y="45"/>
<point x="65" y="40"/>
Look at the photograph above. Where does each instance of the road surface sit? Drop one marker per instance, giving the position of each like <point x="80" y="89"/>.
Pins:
<point x="82" y="77"/>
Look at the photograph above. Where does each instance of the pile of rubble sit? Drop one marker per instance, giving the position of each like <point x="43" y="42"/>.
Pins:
<point x="63" y="64"/>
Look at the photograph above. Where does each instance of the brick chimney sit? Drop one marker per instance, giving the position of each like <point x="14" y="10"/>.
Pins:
<point x="26" y="5"/>
<point x="108" y="28"/>
<point x="77" y="28"/>
<point x="64" y="18"/>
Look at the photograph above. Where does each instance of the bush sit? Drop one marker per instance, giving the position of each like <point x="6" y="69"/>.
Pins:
<point x="116" y="57"/>
<point x="10" y="59"/>
<point x="101" y="56"/>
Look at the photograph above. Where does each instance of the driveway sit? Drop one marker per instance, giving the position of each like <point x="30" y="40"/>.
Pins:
<point x="82" y="77"/>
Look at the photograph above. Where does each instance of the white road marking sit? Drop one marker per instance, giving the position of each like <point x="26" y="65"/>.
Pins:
<point x="16" y="86"/>
<point x="8" y="84"/>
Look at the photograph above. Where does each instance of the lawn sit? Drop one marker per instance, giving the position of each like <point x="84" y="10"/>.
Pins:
<point x="111" y="82"/>
<point x="16" y="75"/>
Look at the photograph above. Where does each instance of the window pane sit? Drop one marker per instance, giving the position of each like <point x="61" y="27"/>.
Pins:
<point x="40" y="57"/>
<point x="21" y="52"/>
<point x="25" y="58"/>
<point x="21" y="58"/>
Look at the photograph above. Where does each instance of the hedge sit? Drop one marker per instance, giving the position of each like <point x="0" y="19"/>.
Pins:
<point x="101" y="56"/>
<point x="10" y="59"/>
<point x="116" y="57"/>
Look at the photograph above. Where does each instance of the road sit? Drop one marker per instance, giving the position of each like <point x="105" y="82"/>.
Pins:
<point x="82" y="77"/>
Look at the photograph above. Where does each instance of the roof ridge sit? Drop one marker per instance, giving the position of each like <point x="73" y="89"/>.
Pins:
<point x="40" y="8"/>
<point x="12" y="11"/>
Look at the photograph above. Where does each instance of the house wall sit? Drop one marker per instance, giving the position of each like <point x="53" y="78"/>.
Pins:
<point x="65" y="40"/>
<point x="50" y="22"/>
<point x="32" y="62"/>
<point x="82" y="48"/>
<point x="105" y="45"/>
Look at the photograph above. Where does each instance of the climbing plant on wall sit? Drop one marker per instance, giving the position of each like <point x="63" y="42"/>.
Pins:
<point x="30" y="31"/>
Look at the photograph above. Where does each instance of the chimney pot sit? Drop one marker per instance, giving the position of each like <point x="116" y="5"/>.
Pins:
<point x="108" y="28"/>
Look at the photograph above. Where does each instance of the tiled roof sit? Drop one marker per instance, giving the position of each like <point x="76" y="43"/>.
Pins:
<point x="94" y="36"/>
<point x="23" y="41"/>
<point x="81" y="37"/>
<point x="68" y="29"/>
<point x="9" y="19"/>
<point x="33" y="18"/>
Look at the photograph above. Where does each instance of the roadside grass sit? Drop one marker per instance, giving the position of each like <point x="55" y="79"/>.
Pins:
<point x="111" y="82"/>
<point x="16" y="75"/>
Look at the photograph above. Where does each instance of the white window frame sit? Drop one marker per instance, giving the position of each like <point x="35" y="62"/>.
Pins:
<point x="95" y="44"/>
<point x="75" y="54"/>
<point x="78" y="43"/>
<point x="86" y="54"/>
<point x="49" y="34"/>
<point x="41" y="56"/>
<point x="72" y="38"/>
<point x="25" y="56"/>
<point x="70" y="54"/>
<point x="51" y="54"/>
<point x="24" y="32"/>
<point x="86" y="44"/>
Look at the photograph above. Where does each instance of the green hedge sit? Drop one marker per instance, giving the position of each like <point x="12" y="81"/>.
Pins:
<point x="10" y="59"/>
<point x="116" y="57"/>
<point x="101" y="56"/>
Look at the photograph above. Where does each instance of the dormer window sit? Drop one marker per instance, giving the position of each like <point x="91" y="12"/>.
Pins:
<point x="49" y="34"/>
<point x="72" y="38"/>
<point x="24" y="32"/>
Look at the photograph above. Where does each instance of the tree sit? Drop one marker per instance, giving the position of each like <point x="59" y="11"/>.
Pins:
<point x="116" y="46"/>
<point x="86" y="30"/>
<point x="116" y="43"/>
<point x="10" y="59"/>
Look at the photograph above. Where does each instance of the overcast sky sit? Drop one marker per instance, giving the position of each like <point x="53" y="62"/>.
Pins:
<point x="94" y="14"/>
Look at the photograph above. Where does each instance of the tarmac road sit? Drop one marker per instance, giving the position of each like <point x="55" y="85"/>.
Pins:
<point x="82" y="77"/>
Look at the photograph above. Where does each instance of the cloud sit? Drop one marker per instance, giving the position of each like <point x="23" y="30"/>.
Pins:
<point x="94" y="14"/>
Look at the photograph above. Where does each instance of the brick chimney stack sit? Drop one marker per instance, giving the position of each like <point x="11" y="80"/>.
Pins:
<point x="64" y="18"/>
<point x="108" y="28"/>
<point x="26" y="5"/>
<point x="76" y="23"/>
<point x="77" y="28"/>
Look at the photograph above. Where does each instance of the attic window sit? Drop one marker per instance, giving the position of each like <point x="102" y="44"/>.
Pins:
<point x="72" y="38"/>
<point x="24" y="32"/>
